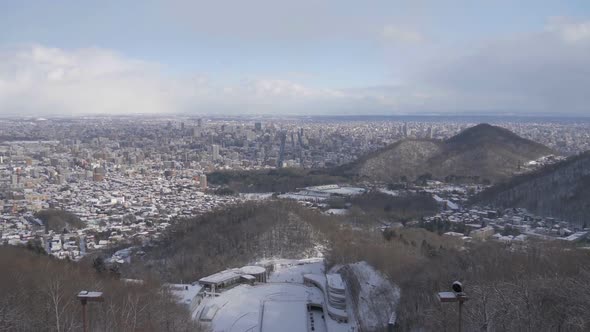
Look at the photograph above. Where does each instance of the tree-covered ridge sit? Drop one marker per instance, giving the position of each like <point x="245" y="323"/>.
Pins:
<point x="560" y="190"/>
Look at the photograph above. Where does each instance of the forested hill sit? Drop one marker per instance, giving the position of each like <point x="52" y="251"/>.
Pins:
<point x="483" y="153"/>
<point x="234" y="236"/>
<point x="561" y="190"/>
<point x="480" y="153"/>
<point x="274" y="180"/>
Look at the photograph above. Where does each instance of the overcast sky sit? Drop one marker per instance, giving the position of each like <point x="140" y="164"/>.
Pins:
<point x="295" y="57"/>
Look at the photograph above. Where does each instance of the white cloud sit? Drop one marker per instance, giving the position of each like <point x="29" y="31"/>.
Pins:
<point x="570" y="31"/>
<point x="543" y="72"/>
<point x="546" y="71"/>
<point x="40" y="80"/>
<point x="401" y="34"/>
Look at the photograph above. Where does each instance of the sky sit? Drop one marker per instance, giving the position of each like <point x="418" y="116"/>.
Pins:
<point x="304" y="57"/>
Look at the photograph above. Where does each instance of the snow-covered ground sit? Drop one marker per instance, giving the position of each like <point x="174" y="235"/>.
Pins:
<point x="389" y="192"/>
<point x="303" y="197"/>
<point x="284" y="303"/>
<point x="336" y="212"/>
<point x="256" y="196"/>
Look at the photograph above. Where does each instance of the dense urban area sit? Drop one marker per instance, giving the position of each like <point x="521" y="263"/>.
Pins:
<point x="119" y="189"/>
<point x="129" y="177"/>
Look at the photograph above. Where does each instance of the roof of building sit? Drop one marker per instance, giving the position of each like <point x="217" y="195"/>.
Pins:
<point x="221" y="277"/>
<point x="253" y="269"/>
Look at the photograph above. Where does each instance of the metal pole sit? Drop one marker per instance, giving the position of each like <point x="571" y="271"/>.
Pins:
<point x="84" y="327"/>
<point x="460" y="318"/>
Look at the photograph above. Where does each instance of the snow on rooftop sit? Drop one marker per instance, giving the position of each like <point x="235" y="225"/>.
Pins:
<point x="253" y="269"/>
<point x="454" y="234"/>
<point x="220" y="277"/>
<point x="437" y="198"/>
<point x="345" y="191"/>
<point x="185" y="292"/>
<point x="293" y="270"/>
<point x="305" y="197"/>
<point x="576" y="236"/>
<point x="323" y="187"/>
<point x="452" y="205"/>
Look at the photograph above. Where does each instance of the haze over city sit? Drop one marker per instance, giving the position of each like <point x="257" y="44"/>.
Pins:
<point x="295" y="57"/>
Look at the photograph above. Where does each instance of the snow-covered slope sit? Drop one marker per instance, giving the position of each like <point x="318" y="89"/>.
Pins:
<point x="374" y="297"/>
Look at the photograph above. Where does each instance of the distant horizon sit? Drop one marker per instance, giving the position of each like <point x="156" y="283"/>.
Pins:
<point x="311" y="116"/>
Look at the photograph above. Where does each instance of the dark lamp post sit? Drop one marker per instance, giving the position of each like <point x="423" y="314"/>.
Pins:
<point x="457" y="295"/>
<point x="85" y="297"/>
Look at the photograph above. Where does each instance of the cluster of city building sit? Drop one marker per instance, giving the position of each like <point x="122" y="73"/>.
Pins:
<point x="483" y="223"/>
<point x="517" y="224"/>
<point x="119" y="194"/>
<point x="479" y="223"/>
<point x="130" y="177"/>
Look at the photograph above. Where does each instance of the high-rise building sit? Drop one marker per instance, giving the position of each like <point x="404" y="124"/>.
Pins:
<point x="257" y="126"/>
<point x="203" y="181"/>
<point x="215" y="152"/>
<point x="196" y="132"/>
<point x="300" y="137"/>
<point x="429" y="132"/>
